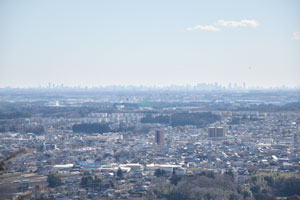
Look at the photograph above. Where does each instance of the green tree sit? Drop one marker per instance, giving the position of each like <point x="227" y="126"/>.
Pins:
<point x="53" y="180"/>
<point x="230" y="173"/>
<point x="120" y="173"/>
<point x="90" y="182"/>
<point x="174" y="178"/>
<point x="91" y="128"/>
<point x="232" y="196"/>
<point x="2" y="129"/>
<point x="247" y="193"/>
<point x="159" y="172"/>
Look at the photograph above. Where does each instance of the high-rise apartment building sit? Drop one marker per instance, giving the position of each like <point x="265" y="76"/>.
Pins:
<point x="159" y="137"/>
<point x="211" y="132"/>
<point x="216" y="131"/>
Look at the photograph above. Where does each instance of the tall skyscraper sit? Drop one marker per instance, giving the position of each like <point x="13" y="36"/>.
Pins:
<point x="159" y="137"/>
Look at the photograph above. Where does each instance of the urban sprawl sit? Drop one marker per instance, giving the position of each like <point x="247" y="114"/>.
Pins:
<point x="123" y="145"/>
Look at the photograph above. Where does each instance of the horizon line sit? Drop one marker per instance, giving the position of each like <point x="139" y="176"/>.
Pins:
<point x="199" y="86"/>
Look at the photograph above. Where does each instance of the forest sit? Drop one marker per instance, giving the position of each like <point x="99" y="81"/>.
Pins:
<point x="209" y="185"/>
<point x="199" y="119"/>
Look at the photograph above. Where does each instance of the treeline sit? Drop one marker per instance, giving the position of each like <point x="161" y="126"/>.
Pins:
<point x="243" y="119"/>
<point x="196" y="119"/>
<point x="270" y="186"/>
<point x="295" y="106"/>
<point x="162" y="119"/>
<point x="14" y="115"/>
<point x="27" y="110"/>
<point x="37" y="129"/>
<point x="204" y="186"/>
<point x="200" y="119"/>
<point x="91" y="128"/>
<point x="100" y="128"/>
<point x="208" y="185"/>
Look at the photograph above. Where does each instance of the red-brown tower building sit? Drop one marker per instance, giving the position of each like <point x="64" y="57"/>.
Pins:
<point x="159" y="137"/>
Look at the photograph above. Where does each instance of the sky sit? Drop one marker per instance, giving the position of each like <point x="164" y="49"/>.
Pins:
<point x="157" y="42"/>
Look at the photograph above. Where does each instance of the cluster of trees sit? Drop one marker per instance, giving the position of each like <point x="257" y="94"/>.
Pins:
<point x="159" y="172"/>
<point x="123" y="155"/>
<point x="295" y="106"/>
<point x="120" y="173"/>
<point x="95" y="183"/>
<point x="91" y="128"/>
<point x="14" y="115"/>
<point x="38" y="130"/>
<point x="100" y="128"/>
<point x="270" y="186"/>
<point x="90" y="181"/>
<point x="199" y="119"/>
<point x="53" y="180"/>
<point x="2" y="129"/>
<point x="204" y="186"/>
<point x="162" y="119"/>
<point x="123" y="127"/>
<point x="243" y="119"/>
<point x="208" y="185"/>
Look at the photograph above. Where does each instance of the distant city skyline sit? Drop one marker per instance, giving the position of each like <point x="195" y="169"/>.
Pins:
<point x="197" y="87"/>
<point x="154" y="43"/>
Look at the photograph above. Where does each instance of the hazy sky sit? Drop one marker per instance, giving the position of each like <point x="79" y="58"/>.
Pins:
<point x="154" y="42"/>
